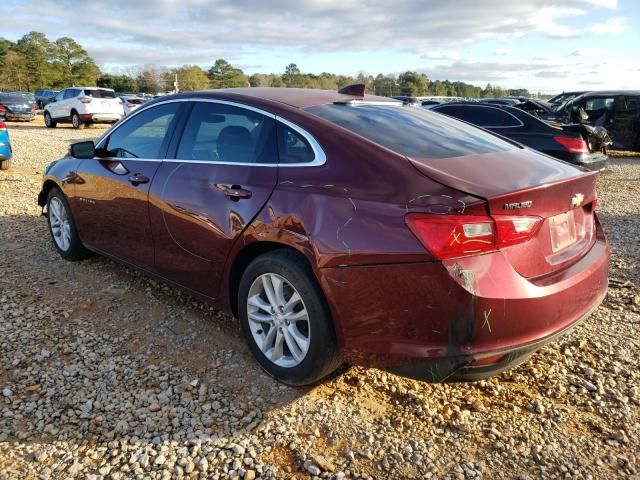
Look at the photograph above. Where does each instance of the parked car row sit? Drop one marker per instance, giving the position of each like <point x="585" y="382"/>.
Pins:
<point x="339" y="226"/>
<point x="566" y="143"/>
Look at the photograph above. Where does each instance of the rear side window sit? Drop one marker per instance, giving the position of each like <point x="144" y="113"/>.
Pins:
<point x="144" y="135"/>
<point x="487" y="117"/>
<point x="412" y="131"/>
<point x="224" y="133"/>
<point x="293" y="147"/>
<point x="70" y="93"/>
<point x="100" y="93"/>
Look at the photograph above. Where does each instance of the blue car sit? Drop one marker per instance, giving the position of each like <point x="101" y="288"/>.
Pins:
<point x="5" y="147"/>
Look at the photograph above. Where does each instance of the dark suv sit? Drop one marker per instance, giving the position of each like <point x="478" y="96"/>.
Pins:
<point x="44" y="96"/>
<point x="617" y="111"/>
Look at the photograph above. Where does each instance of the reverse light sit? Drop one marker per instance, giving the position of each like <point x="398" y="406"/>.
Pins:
<point x="574" y="145"/>
<point x="451" y="236"/>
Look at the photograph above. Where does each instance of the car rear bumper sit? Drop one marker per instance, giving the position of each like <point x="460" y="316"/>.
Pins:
<point x="101" y="117"/>
<point x="592" y="161"/>
<point x="12" y="116"/>
<point x="462" y="319"/>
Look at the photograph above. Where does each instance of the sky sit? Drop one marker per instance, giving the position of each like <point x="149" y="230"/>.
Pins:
<point x="546" y="46"/>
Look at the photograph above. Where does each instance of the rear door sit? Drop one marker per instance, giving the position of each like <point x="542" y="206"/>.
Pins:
<point x="111" y="203"/>
<point x="222" y="174"/>
<point x="624" y="127"/>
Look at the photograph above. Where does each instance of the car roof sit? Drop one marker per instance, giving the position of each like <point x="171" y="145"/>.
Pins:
<point x="604" y="93"/>
<point x="295" y="97"/>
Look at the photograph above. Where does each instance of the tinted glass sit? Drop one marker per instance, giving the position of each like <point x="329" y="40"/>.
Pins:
<point x="143" y="135"/>
<point x="630" y="105"/>
<point x="12" y="99"/>
<point x="70" y="93"/>
<point x="224" y="133"/>
<point x="100" y="93"/>
<point x="411" y="131"/>
<point x="293" y="147"/>
<point x="483" y="116"/>
<point x="599" y="103"/>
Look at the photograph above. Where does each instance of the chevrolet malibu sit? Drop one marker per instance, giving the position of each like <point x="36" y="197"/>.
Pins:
<point x="340" y="227"/>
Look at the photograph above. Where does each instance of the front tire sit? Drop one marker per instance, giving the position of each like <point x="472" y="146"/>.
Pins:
<point x="285" y="319"/>
<point x="48" y="121"/>
<point x="62" y="227"/>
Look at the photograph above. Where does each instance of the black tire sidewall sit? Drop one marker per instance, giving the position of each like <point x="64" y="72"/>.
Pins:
<point x="78" y="124"/>
<point x="323" y="346"/>
<point x="50" y="123"/>
<point x="76" y="250"/>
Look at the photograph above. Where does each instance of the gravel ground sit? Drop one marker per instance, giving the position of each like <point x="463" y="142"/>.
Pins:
<point x="106" y="374"/>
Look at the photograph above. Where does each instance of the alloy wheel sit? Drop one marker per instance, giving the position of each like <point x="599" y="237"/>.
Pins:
<point x="60" y="225"/>
<point x="278" y="320"/>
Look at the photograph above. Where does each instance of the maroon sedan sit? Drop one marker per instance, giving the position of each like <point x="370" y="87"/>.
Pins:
<point x="340" y="227"/>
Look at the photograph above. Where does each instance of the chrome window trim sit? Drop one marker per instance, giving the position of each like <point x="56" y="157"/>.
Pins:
<point x="482" y="106"/>
<point x="320" y="157"/>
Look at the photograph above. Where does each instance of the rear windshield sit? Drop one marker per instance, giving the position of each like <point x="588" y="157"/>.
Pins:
<point x="412" y="131"/>
<point x="100" y="93"/>
<point x="13" y="99"/>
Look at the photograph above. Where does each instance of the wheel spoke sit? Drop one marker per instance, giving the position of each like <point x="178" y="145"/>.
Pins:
<point x="298" y="351"/>
<point x="292" y="302"/>
<point x="257" y="301"/>
<point x="278" y="347"/>
<point x="260" y="317"/>
<point x="268" y="289"/>
<point x="278" y="290"/>
<point x="267" y="340"/>
<point x="297" y="316"/>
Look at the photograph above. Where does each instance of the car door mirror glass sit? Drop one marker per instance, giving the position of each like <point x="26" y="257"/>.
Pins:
<point x="83" y="150"/>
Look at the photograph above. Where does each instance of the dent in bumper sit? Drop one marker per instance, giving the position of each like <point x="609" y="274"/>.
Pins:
<point x="457" y="311"/>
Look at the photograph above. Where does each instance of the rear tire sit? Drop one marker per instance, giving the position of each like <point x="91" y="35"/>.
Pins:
<point x="48" y="121"/>
<point x="303" y="325"/>
<point x="75" y="121"/>
<point x="62" y="227"/>
<point x="5" y="164"/>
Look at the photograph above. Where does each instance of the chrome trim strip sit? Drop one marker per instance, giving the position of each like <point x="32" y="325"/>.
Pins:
<point x="320" y="157"/>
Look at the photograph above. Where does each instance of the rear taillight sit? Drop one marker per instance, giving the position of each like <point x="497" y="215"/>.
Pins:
<point x="33" y="108"/>
<point x="3" y="126"/>
<point x="450" y="236"/>
<point x="574" y="145"/>
<point x="86" y="99"/>
<point x="3" y="108"/>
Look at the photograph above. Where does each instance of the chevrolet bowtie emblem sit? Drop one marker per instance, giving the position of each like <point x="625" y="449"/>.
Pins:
<point x="577" y="200"/>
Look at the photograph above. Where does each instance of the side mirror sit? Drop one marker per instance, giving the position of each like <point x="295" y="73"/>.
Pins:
<point x="83" y="150"/>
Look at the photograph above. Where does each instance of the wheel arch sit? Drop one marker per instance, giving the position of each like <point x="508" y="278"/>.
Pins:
<point x="44" y="192"/>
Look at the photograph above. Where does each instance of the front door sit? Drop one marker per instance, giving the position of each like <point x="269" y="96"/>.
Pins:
<point x="200" y="202"/>
<point x="111" y="201"/>
<point x="624" y="127"/>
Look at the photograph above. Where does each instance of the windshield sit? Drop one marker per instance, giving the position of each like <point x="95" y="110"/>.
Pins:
<point x="411" y="131"/>
<point x="100" y="93"/>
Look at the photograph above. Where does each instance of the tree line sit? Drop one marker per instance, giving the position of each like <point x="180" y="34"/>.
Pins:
<point x="35" y="62"/>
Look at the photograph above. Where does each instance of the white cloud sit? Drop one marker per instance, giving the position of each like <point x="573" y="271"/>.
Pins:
<point x="614" y="26"/>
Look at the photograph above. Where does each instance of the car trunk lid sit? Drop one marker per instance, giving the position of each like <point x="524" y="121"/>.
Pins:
<point x="521" y="182"/>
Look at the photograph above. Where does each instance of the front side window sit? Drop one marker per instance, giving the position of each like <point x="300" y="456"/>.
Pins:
<point x="218" y="132"/>
<point x="144" y="135"/>
<point x="411" y="131"/>
<point x="60" y="95"/>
